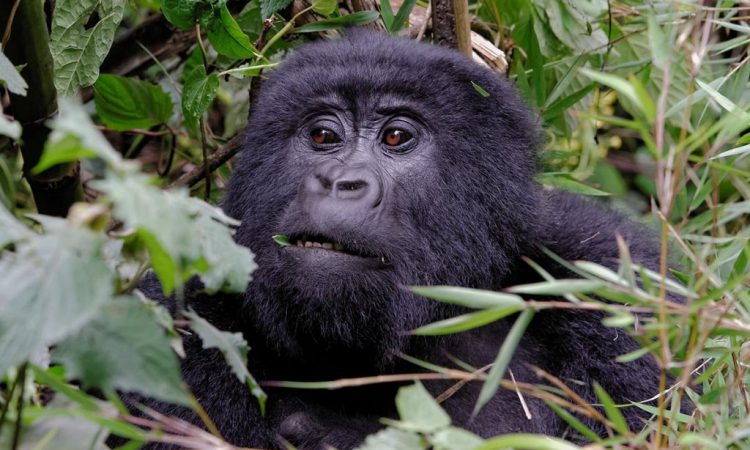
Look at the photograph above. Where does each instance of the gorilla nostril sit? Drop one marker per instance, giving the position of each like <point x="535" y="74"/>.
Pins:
<point x="351" y="185"/>
<point x="325" y="183"/>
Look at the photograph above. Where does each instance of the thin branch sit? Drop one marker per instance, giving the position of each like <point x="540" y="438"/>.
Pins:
<point x="219" y="157"/>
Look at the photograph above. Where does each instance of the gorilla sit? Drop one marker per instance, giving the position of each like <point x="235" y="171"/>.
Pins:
<point x="386" y="167"/>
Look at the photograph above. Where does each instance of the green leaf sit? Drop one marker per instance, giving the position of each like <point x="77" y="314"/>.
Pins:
<point x="471" y="298"/>
<point x="50" y="287"/>
<point x="184" y="236"/>
<point x="77" y="47"/>
<point x="124" y="349"/>
<point x="402" y="17"/>
<point x="575" y="26"/>
<point x="571" y="420"/>
<point x="453" y="438"/>
<point x="227" y="38"/>
<point x="68" y="148"/>
<point x="561" y="105"/>
<point x="234" y="348"/>
<point x="466" y="322"/>
<point x="198" y="93"/>
<point x="126" y="103"/>
<point x="186" y="13"/>
<point x="724" y="102"/>
<point x="525" y="441"/>
<point x="11" y="229"/>
<point x="270" y="7"/>
<point x="8" y="127"/>
<point x="387" y="13"/>
<point x="281" y="239"/>
<point x="10" y="76"/>
<point x="419" y="411"/>
<point x="620" y="85"/>
<point x="62" y="432"/>
<point x="325" y="7"/>
<point x="558" y="287"/>
<point x="507" y="349"/>
<point x="661" y="46"/>
<point x="74" y="136"/>
<point x="250" y="21"/>
<point x="611" y="410"/>
<point x="357" y="18"/>
<point x="480" y="89"/>
<point x="568" y="183"/>
<point x="393" y="439"/>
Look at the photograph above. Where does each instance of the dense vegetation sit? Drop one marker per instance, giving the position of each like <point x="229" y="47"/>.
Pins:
<point x="123" y="109"/>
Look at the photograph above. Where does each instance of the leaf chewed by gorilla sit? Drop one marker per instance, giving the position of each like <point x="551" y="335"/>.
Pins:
<point x="384" y="167"/>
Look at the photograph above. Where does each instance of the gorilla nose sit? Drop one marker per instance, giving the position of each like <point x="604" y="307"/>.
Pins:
<point x="345" y="184"/>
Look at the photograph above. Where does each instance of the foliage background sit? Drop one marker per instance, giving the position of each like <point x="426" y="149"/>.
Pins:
<point x="644" y="104"/>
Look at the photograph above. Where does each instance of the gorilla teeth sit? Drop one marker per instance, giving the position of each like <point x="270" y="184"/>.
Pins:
<point x="324" y="245"/>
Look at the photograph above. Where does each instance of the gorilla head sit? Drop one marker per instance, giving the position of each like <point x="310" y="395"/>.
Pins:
<point x="386" y="167"/>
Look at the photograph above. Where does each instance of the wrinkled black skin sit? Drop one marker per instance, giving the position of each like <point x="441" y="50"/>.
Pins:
<point x="460" y="207"/>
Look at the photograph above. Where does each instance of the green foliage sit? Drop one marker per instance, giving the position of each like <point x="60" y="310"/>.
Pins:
<point x="10" y="76"/>
<point x="227" y="38"/>
<point x="77" y="48"/>
<point x="123" y="348"/>
<point x="126" y="103"/>
<point x="198" y="94"/>
<point x="52" y="285"/>
<point x="234" y="348"/>
<point x="645" y="106"/>
<point x="270" y="7"/>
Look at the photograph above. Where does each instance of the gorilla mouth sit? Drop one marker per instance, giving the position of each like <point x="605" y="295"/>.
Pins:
<point x="320" y="242"/>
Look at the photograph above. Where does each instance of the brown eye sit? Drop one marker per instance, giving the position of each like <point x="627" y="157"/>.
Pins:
<point x="324" y="136"/>
<point x="394" y="137"/>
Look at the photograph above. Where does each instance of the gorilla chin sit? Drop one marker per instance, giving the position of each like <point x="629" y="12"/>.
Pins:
<point x="386" y="168"/>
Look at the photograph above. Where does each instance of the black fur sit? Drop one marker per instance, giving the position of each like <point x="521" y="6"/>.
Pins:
<point x="461" y="209"/>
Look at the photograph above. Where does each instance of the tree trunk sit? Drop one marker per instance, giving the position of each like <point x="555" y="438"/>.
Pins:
<point x="59" y="187"/>
<point x="450" y="24"/>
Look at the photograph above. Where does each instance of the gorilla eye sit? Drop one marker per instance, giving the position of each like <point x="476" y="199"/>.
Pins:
<point x="324" y="136"/>
<point x="394" y="137"/>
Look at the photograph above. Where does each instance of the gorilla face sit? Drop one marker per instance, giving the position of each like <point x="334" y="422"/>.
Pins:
<point x="385" y="168"/>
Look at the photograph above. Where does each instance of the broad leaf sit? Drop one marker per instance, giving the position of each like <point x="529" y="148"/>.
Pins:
<point x="234" y="348"/>
<point x="77" y="47"/>
<point x="198" y="93"/>
<point x="8" y="127"/>
<point x="227" y="38"/>
<point x="126" y="103"/>
<point x="419" y="411"/>
<point x="124" y="349"/>
<point x="50" y="287"/>
<point x="393" y="439"/>
<point x="526" y="441"/>
<point x="453" y="438"/>
<point x="270" y="7"/>
<point x="186" y="13"/>
<point x="325" y="7"/>
<point x="11" y="229"/>
<point x="10" y="76"/>
<point x="183" y="236"/>
<point x="74" y="136"/>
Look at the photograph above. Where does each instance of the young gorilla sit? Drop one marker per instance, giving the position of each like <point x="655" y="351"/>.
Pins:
<point x="387" y="168"/>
